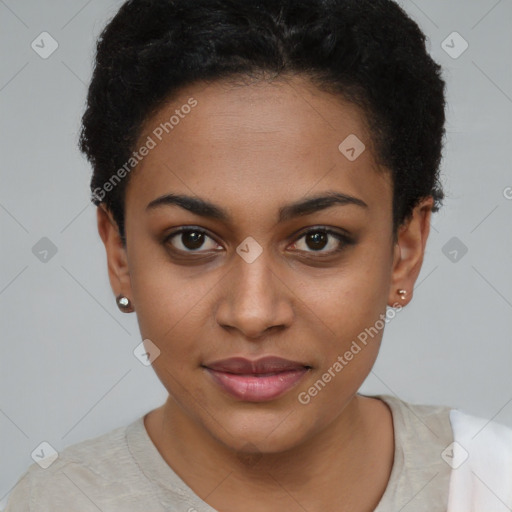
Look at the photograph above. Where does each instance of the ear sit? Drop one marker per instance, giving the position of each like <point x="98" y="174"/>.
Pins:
<point x="409" y="250"/>
<point x="118" y="270"/>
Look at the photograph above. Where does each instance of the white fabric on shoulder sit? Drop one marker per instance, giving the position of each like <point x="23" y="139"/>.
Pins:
<point x="481" y="461"/>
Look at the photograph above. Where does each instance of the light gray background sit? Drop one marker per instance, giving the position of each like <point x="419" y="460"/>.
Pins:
<point x="67" y="369"/>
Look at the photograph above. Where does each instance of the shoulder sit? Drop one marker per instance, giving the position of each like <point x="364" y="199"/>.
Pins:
<point x="82" y="477"/>
<point x="482" y="464"/>
<point x="476" y="452"/>
<point x="420" y="423"/>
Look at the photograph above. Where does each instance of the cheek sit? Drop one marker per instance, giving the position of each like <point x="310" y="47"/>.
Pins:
<point x="167" y="299"/>
<point x="348" y="309"/>
<point x="170" y="313"/>
<point x="351" y="297"/>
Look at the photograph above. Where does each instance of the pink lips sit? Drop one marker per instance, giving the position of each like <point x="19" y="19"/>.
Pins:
<point x="256" y="381"/>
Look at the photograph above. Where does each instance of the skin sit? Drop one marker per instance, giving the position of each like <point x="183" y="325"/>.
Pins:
<point x="252" y="149"/>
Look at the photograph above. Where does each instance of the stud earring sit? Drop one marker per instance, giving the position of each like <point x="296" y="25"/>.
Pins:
<point x="402" y="293"/>
<point x="124" y="304"/>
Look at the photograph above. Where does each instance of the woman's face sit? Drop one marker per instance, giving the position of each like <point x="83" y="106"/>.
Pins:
<point x="246" y="280"/>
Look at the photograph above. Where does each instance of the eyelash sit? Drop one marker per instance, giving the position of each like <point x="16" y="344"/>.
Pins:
<point x="343" y="239"/>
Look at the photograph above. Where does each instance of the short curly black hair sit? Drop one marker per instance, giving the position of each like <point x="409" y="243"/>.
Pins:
<point x="367" y="51"/>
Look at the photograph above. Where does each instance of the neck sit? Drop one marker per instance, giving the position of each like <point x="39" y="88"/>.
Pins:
<point x="332" y="467"/>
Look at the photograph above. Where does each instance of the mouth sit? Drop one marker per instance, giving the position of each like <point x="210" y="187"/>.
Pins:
<point x="261" y="380"/>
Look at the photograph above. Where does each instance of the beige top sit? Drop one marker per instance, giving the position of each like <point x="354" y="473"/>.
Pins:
<point x="122" y="471"/>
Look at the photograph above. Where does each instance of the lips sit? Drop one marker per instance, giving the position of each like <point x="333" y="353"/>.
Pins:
<point x="256" y="381"/>
<point x="240" y="365"/>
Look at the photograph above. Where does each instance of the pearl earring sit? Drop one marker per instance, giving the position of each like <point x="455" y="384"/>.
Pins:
<point x="124" y="304"/>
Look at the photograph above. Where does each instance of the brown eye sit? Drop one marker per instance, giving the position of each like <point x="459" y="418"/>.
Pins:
<point x="190" y="240"/>
<point x="316" y="240"/>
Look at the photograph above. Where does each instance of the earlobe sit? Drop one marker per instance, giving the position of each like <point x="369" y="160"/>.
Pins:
<point x="409" y="251"/>
<point x="117" y="260"/>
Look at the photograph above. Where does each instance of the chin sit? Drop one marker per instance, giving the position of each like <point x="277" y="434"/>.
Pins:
<point x="265" y="432"/>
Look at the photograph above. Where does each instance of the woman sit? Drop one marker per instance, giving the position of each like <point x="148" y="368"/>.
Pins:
<point x="265" y="174"/>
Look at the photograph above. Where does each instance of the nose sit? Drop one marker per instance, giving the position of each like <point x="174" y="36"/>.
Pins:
<point x="254" y="299"/>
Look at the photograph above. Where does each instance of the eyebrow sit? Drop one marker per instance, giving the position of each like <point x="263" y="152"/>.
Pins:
<point x="305" y="206"/>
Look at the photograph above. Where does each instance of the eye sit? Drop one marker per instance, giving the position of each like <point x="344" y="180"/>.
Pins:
<point x="317" y="239"/>
<point x="190" y="240"/>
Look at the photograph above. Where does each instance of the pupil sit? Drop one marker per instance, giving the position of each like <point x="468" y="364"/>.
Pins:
<point x="192" y="239"/>
<point x="318" y="240"/>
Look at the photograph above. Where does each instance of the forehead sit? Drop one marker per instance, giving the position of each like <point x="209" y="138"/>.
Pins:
<point x="260" y="141"/>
